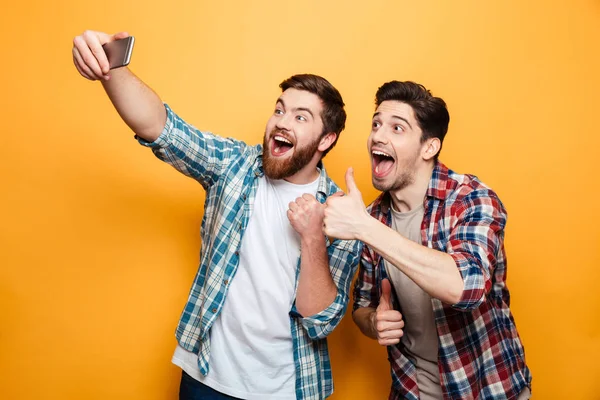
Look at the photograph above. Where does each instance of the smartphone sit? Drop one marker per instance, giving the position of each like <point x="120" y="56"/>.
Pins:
<point x="119" y="51"/>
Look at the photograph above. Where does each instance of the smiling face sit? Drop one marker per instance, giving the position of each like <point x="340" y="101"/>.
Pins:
<point x="395" y="146"/>
<point x="293" y="135"/>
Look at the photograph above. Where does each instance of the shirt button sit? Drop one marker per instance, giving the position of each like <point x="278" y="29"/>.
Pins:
<point x="237" y="253"/>
<point x="214" y="310"/>
<point x="244" y="197"/>
<point x="226" y="281"/>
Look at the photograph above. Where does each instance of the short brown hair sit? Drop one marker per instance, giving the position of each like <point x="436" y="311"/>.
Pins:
<point x="333" y="115"/>
<point x="431" y="112"/>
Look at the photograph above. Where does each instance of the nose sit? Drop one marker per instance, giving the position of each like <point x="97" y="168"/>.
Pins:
<point x="379" y="136"/>
<point x="283" y="122"/>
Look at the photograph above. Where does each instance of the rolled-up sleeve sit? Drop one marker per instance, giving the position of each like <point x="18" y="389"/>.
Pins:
<point x="343" y="260"/>
<point x="202" y="156"/>
<point x="474" y="244"/>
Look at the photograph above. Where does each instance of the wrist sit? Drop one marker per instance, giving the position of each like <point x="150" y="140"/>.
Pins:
<point x="312" y="237"/>
<point x="364" y="228"/>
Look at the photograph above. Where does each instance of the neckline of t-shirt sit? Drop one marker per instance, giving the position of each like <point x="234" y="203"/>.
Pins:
<point x="406" y="214"/>
<point x="283" y="182"/>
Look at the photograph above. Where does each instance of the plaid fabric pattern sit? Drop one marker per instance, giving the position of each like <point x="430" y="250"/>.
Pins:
<point x="480" y="353"/>
<point x="228" y="170"/>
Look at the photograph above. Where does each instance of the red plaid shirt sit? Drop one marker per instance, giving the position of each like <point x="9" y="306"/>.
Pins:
<point x="480" y="354"/>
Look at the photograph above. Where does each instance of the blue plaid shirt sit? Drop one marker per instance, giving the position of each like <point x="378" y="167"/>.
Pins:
<point x="229" y="169"/>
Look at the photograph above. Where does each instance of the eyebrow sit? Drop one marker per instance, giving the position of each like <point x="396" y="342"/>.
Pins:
<point x="397" y="117"/>
<point x="280" y="100"/>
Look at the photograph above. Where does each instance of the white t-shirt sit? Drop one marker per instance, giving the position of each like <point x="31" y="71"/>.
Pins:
<point x="251" y="354"/>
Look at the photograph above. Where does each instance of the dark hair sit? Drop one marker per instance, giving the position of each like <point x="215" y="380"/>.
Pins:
<point x="430" y="112"/>
<point x="333" y="114"/>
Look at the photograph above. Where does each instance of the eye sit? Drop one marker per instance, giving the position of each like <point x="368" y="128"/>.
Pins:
<point x="301" y="118"/>
<point x="375" y="124"/>
<point x="278" y="111"/>
<point x="399" y="128"/>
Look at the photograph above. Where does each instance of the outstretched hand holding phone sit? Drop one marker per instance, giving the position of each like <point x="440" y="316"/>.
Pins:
<point x="137" y="104"/>
<point x="90" y="57"/>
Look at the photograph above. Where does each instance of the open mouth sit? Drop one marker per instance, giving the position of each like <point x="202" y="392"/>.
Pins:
<point x="280" y="145"/>
<point x="382" y="163"/>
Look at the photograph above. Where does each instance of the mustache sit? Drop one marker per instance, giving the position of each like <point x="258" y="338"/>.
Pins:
<point x="279" y="132"/>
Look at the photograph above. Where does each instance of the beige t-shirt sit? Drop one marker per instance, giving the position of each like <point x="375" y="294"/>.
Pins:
<point x="420" y="338"/>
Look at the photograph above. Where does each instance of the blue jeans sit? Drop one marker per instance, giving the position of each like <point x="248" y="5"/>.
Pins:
<point x="191" y="389"/>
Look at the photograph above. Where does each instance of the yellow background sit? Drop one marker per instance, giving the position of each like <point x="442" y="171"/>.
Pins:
<point x="99" y="240"/>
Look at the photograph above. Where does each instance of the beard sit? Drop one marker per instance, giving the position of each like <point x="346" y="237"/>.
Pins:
<point x="406" y="177"/>
<point x="275" y="168"/>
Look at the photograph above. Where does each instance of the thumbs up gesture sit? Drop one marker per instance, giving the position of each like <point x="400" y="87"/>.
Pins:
<point x="386" y="321"/>
<point x="345" y="215"/>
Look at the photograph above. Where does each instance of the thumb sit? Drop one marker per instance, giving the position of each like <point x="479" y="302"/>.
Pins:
<point x="119" y="35"/>
<point x="385" y="301"/>
<point x="350" y="184"/>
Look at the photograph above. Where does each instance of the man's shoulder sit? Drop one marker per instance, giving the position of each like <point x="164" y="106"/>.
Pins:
<point x="465" y="184"/>
<point x="468" y="188"/>
<point x="243" y="151"/>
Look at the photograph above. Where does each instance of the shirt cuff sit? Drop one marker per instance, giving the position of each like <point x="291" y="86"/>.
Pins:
<point x="163" y="140"/>
<point x="322" y="317"/>
<point x="474" y="290"/>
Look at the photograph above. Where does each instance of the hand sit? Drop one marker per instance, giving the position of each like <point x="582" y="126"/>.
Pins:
<point x="89" y="56"/>
<point x="345" y="215"/>
<point x="306" y="216"/>
<point x="386" y="321"/>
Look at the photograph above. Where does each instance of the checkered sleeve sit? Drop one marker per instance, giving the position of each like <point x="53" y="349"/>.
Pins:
<point x="474" y="243"/>
<point x="202" y="156"/>
<point x="343" y="260"/>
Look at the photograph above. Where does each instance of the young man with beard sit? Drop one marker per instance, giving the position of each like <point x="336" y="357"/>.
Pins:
<point x="257" y="316"/>
<point x="432" y="280"/>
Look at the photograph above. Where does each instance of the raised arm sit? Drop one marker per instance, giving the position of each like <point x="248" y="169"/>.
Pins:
<point x="139" y="106"/>
<point x="200" y="155"/>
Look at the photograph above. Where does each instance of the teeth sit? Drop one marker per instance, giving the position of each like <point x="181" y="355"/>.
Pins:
<point x="381" y="153"/>
<point x="282" y="139"/>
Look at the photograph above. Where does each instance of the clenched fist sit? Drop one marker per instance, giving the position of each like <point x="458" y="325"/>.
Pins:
<point x="306" y="215"/>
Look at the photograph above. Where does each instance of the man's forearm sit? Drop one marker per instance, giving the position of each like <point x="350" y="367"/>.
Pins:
<point x="433" y="271"/>
<point x="137" y="104"/>
<point x="316" y="288"/>
<point x="363" y="318"/>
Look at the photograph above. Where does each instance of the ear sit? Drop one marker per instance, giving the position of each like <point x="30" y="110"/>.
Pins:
<point x="327" y="141"/>
<point x="430" y="148"/>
